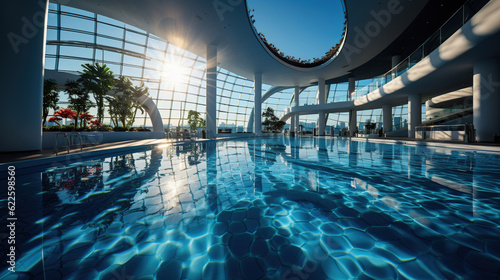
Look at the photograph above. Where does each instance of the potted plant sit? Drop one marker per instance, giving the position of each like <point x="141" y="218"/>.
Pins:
<point x="370" y="126"/>
<point x="272" y="123"/>
<point x="195" y="122"/>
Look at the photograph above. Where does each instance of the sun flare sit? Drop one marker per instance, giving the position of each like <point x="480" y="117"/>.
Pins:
<point x="174" y="72"/>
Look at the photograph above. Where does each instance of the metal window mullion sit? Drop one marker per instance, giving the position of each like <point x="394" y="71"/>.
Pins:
<point x="58" y="48"/>
<point x="144" y="58"/>
<point x="183" y="111"/>
<point x="173" y="92"/>
<point x="229" y="102"/>
<point x="123" y="47"/>
<point x="95" y="41"/>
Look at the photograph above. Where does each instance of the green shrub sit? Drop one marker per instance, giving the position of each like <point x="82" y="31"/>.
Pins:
<point x="120" y="128"/>
<point x="139" y="129"/>
<point x="61" y="128"/>
<point x="71" y="128"/>
<point x="52" y="128"/>
<point x="102" y="128"/>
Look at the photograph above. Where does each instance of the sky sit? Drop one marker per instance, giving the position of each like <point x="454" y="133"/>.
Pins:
<point x="304" y="29"/>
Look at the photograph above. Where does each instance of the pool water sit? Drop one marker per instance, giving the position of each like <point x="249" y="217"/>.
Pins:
<point x="277" y="208"/>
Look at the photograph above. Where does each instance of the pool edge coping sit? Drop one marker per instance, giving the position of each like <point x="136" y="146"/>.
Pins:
<point x="71" y="157"/>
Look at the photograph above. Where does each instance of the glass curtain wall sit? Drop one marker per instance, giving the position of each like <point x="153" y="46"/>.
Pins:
<point x="336" y="93"/>
<point x="175" y="77"/>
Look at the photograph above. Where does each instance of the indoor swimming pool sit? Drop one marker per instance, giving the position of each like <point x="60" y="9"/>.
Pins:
<point x="271" y="208"/>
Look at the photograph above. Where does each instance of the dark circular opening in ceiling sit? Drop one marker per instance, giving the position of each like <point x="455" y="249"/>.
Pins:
<point x="300" y="33"/>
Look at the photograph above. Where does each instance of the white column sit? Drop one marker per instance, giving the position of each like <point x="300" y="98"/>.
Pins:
<point x="387" y="117"/>
<point x="352" y="88"/>
<point x="296" y="102"/>
<point x="23" y="32"/>
<point x="258" y="104"/>
<point x="211" y="98"/>
<point x="486" y="99"/>
<point x="414" y="113"/>
<point x="321" y="100"/>
<point x="353" y="116"/>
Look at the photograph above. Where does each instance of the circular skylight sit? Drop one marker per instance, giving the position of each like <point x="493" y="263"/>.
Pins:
<point x="301" y="33"/>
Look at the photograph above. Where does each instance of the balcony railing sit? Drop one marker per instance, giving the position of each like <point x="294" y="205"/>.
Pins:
<point x="454" y="23"/>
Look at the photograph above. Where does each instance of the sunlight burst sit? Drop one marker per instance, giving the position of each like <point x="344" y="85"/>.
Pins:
<point x="174" y="72"/>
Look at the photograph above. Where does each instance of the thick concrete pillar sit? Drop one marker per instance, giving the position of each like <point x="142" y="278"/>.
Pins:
<point x="211" y="98"/>
<point x="23" y="32"/>
<point x="321" y="100"/>
<point x="486" y="99"/>
<point x="353" y="116"/>
<point x="258" y="104"/>
<point x="351" y="88"/>
<point x="387" y="117"/>
<point x="414" y="113"/>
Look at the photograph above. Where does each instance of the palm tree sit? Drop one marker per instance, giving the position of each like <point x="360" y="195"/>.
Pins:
<point x="98" y="79"/>
<point x="78" y="99"/>
<point x="50" y="98"/>
<point x="123" y="105"/>
<point x="138" y="91"/>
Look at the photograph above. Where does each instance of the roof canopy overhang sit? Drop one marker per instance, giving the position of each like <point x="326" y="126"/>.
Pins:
<point x="194" y="24"/>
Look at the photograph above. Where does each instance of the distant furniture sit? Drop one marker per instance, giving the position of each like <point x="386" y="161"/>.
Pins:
<point x="224" y="130"/>
<point x="460" y="132"/>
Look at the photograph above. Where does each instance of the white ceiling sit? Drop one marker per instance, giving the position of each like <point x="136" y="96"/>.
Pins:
<point x="194" y="24"/>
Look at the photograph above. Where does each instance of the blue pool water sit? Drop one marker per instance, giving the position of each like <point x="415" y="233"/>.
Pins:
<point x="277" y="208"/>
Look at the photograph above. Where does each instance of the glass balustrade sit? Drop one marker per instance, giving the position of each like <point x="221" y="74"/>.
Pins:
<point x="455" y="22"/>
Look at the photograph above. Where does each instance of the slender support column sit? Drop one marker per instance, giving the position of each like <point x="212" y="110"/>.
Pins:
<point x="486" y="99"/>
<point x="258" y="104"/>
<point x="387" y="117"/>
<point x="23" y="32"/>
<point x="296" y="104"/>
<point x="211" y="99"/>
<point x="353" y="116"/>
<point x="351" y="88"/>
<point x="414" y="113"/>
<point x="321" y="100"/>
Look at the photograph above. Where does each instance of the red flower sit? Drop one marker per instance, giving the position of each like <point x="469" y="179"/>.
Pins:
<point x="86" y="116"/>
<point x="55" y="119"/>
<point x="95" y="123"/>
<point x="65" y="113"/>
